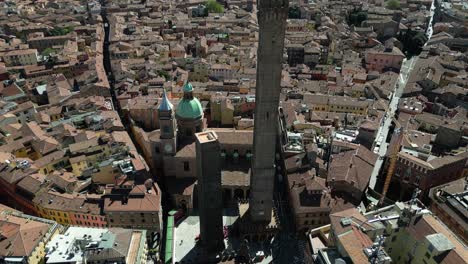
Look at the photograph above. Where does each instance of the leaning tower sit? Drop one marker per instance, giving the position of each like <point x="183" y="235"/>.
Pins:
<point x="272" y="15"/>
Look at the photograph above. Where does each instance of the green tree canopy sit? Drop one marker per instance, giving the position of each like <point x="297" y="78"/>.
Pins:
<point x="60" y="31"/>
<point x="393" y="4"/>
<point x="164" y="74"/>
<point x="412" y="41"/>
<point x="356" y="17"/>
<point x="294" y="12"/>
<point x="214" y="7"/>
<point x="47" y="51"/>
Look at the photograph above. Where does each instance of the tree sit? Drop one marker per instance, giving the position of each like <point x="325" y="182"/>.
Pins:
<point x="214" y="7"/>
<point x="294" y="12"/>
<point x="412" y="41"/>
<point x="393" y="4"/>
<point x="356" y="17"/>
<point x="57" y="31"/>
<point x="47" y="52"/>
<point x="164" y="74"/>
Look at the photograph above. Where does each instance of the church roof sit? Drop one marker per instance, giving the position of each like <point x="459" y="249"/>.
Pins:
<point x="189" y="109"/>
<point x="165" y="105"/>
<point x="188" y="87"/>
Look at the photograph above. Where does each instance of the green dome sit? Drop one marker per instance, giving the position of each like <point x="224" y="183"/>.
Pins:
<point x="188" y="87"/>
<point x="190" y="109"/>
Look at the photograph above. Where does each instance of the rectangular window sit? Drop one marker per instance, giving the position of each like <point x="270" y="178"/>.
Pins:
<point x="186" y="166"/>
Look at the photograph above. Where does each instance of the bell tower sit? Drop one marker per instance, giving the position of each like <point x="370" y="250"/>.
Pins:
<point x="168" y="128"/>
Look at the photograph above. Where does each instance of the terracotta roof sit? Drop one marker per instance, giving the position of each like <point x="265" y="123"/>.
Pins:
<point x="45" y="145"/>
<point x="11" y="90"/>
<point x="15" y="145"/>
<point x="66" y="181"/>
<point x="13" y="175"/>
<point x="46" y="160"/>
<point x="309" y="193"/>
<point x="188" y="151"/>
<point x="353" y="243"/>
<point x="353" y="214"/>
<point x="123" y="137"/>
<point x="79" y="146"/>
<point x="354" y="167"/>
<point x="32" y="129"/>
<point x="21" y="235"/>
<point x="235" y="178"/>
<point x="234" y="137"/>
<point x="428" y="225"/>
<point x="66" y="202"/>
<point x="32" y="183"/>
<point x="144" y="201"/>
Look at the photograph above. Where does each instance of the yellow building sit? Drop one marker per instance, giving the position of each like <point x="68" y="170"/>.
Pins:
<point x="338" y="104"/>
<point x="425" y="240"/>
<point x="357" y="91"/>
<point x="51" y="162"/>
<point x="22" y="148"/>
<point x="222" y="111"/>
<point x="200" y="72"/>
<point x="78" y="164"/>
<point x="54" y="206"/>
<point x="60" y="216"/>
<point x="317" y="102"/>
<point x="26" y="238"/>
<point x="109" y="170"/>
<point x="341" y="104"/>
<point x="93" y="149"/>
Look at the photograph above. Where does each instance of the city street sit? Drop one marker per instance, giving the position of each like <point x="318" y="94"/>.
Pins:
<point x="382" y="134"/>
<point x="405" y="71"/>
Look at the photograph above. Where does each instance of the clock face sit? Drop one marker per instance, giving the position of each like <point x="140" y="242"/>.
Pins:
<point x="168" y="148"/>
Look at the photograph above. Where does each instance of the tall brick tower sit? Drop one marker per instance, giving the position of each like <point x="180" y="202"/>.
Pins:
<point x="272" y="15"/>
<point x="210" y="197"/>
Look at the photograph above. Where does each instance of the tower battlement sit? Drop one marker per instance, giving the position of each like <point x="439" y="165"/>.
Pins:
<point x="272" y="4"/>
<point x="273" y="11"/>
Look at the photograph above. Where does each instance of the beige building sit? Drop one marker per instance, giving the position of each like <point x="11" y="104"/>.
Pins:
<point x="381" y="61"/>
<point x="200" y="71"/>
<point x="222" y="110"/>
<point x="311" y="200"/>
<point x="138" y="206"/>
<point x="20" y="57"/>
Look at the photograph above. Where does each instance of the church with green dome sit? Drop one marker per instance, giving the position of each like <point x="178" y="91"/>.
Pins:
<point x="190" y="107"/>
<point x="180" y="124"/>
<point x="189" y="114"/>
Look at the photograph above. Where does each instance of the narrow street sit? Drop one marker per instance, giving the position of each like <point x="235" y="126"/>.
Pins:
<point x="405" y="71"/>
<point x="107" y="61"/>
<point x="382" y="134"/>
